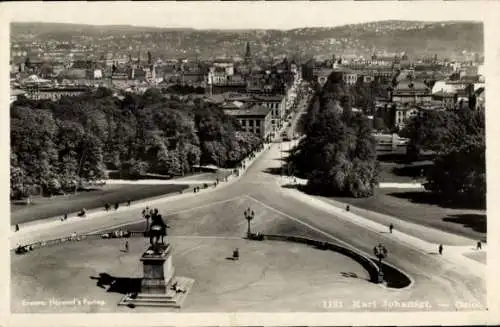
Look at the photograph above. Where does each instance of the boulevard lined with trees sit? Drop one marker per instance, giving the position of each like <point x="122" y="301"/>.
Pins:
<point x="61" y="145"/>
<point x="338" y="155"/>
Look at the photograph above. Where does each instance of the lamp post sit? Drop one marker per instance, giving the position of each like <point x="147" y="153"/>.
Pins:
<point x="380" y="251"/>
<point x="249" y="215"/>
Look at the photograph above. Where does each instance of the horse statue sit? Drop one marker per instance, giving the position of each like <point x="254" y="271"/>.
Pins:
<point x="157" y="230"/>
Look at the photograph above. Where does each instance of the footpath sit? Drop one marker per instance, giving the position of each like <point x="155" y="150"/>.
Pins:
<point x="402" y="232"/>
<point x="42" y="224"/>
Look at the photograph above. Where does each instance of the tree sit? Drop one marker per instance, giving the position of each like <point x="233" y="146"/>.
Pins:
<point x="427" y="132"/>
<point x="459" y="171"/>
<point x="76" y="139"/>
<point x="378" y="124"/>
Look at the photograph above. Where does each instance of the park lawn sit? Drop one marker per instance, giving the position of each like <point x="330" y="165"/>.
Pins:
<point x="43" y="207"/>
<point x="417" y="206"/>
<point x="393" y="168"/>
<point x="402" y="173"/>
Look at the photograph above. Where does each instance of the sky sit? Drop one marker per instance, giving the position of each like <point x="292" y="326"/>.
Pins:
<point x="242" y="15"/>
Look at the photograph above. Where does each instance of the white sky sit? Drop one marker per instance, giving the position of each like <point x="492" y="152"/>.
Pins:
<point x="238" y="15"/>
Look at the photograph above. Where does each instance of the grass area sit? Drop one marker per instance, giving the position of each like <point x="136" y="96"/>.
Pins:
<point x="394" y="169"/>
<point x="43" y="207"/>
<point x="221" y="174"/>
<point x="418" y="207"/>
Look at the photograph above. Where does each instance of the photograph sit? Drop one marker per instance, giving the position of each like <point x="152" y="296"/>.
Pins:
<point x="239" y="158"/>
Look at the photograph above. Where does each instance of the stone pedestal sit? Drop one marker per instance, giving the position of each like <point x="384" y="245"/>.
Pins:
<point x="158" y="270"/>
<point x="157" y="285"/>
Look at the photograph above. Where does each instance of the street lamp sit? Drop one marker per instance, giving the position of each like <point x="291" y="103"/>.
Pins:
<point x="380" y="251"/>
<point x="249" y="215"/>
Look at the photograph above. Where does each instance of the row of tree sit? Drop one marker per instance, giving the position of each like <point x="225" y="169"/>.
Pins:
<point x="338" y="155"/>
<point x="457" y="142"/>
<point x="60" y="145"/>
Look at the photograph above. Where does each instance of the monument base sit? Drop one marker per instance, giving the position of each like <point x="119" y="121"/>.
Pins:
<point x="169" y="299"/>
<point x="159" y="286"/>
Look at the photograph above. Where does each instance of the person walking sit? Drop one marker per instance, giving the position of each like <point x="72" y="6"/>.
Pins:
<point x="117" y="205"/>
<point x="391" y="227"/>
<point x="479" y="245"/>
<point x="17" y="227"/>
<point x="440" y="249"/>
<point x="126" y="246"/>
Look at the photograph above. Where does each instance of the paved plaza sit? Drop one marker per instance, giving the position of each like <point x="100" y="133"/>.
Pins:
<point x="269" y="276"/>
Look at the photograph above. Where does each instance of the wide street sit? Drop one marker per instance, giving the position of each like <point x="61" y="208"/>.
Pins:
<point x="448" y="284"/>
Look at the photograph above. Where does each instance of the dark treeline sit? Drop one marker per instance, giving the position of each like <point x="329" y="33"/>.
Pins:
<point x="58" y="145"/>
<point x="457" y="143"/>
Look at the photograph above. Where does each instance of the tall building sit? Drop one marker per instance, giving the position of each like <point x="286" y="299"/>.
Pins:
<point x="248" y="54"/>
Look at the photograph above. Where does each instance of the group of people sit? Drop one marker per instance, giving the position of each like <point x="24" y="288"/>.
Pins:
<point x="107" y="206"/>
<point x="117" y="234"/>
<point x="150" y="212"/>
<point x="23" y="249"/>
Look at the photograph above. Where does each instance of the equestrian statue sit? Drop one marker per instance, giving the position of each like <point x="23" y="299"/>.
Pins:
<point x="157" y="230"/>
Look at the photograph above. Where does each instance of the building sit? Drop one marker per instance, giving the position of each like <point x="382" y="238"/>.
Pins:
<point x="278" y="106"/>
<point x="403" y="113"/>
<point x="350" y="77"/>
<point x="448" y="100"/>
<point x="408" y="91"/>
<point x="15" y="94"/>
<point x="255" y="119"/>
<point x="54" y="93"/>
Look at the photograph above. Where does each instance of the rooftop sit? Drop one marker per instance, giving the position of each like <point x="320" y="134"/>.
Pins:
<point x="254" y="111"/>
<point x="406" y="85"/>
<point x="271" y="97"/>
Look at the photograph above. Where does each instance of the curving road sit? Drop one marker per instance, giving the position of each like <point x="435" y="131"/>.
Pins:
<point x="446" y="283"/>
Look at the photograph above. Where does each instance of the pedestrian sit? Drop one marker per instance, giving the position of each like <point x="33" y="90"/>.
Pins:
<point x="17" y="227"/>
<point x="479" y="245"/>
<point x="65" y="216"/>
<point x="128" y="203"/>
<point x="117" y="205"/>
<point x="440" y="249"/>
<point x="107" y="206"/>
<point x="391" y="227"/>
<point x="347" y="208"/>
<point x="126" y="246"/>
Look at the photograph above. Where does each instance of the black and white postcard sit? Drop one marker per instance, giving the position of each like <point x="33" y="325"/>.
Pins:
<point x="250" y="163"/>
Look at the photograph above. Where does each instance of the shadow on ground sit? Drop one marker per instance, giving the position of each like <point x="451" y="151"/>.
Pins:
<point x="400" y="158"/>
<point x="349" y="275"/>
<point x="122" y="285"/>
<point x="425" y="197"/>
<point x="393" y="277"/>
<point x="415" y="171"/>
<point x="474" y="221"/>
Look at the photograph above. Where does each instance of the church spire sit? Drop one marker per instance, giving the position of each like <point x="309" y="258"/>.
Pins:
<point x="248" y="54"/>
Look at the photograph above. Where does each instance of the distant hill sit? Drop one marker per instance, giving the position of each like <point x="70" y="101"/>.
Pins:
<point x="448" y="39"/>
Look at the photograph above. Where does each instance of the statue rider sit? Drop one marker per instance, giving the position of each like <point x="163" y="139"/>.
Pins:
<point x="157" y="230"/>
